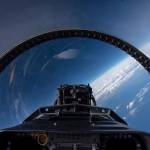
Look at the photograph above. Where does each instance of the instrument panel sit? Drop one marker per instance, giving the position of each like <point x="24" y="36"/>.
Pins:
<point x="72" y="141"/>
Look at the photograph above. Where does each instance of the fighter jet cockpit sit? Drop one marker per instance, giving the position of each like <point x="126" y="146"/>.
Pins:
<point x="75" y="90"/>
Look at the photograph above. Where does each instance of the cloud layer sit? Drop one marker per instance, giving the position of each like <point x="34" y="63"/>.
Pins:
<point x="106" y="85"/>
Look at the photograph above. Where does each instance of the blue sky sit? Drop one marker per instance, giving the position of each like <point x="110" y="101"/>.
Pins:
<point x="21" y="20"/>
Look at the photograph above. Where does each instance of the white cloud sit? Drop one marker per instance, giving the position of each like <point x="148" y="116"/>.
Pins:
<point x="130" y="105"/>
<point x="139" y="97"/>
<point x="133" y="111"/>
<point x="136" y="104"/>
<point x="124" y="118"/>
<point x="143" y="91"/>
<point x="106" y="85"/>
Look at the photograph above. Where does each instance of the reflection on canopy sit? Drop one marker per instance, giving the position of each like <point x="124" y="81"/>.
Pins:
<point x="31" y="79"/>
<point x="131" y="50"/>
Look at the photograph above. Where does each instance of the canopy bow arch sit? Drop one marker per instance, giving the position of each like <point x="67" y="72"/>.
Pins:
<point x="123" y="45"/>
